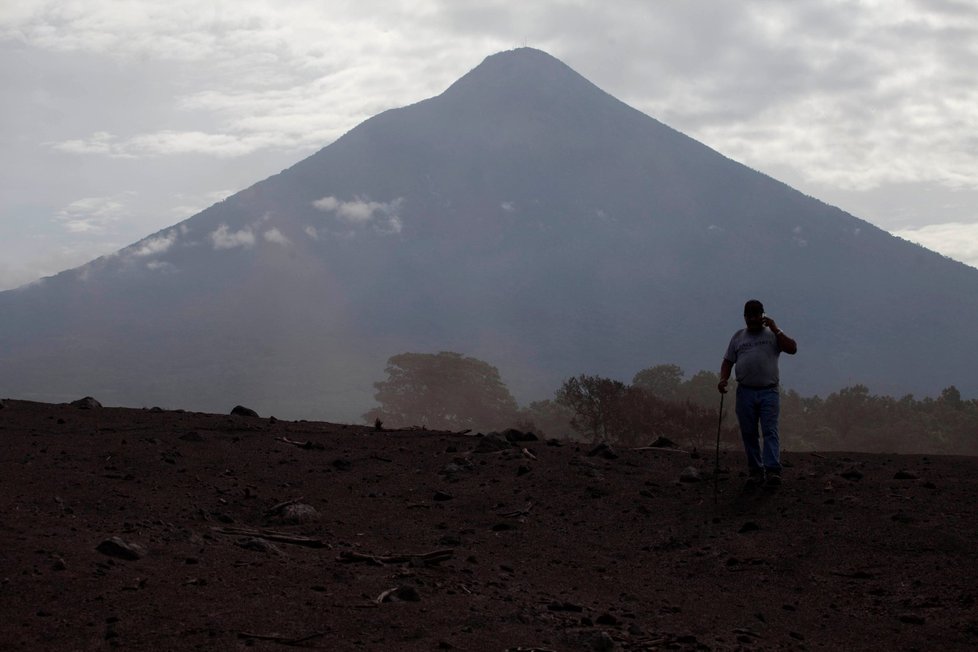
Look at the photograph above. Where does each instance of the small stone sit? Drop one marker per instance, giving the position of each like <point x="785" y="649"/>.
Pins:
<point x="663" y="442"/>
<point x="513" y="435"/>
<point x="406" y="593"/>
<point x="604" y="450"/>
<point x="601" y="642"/>
<point x="912" y="619"/>
<point x="441" y="496"/>
<point x="565" y="606"/>
<point x="749" y="526"/>
<point x="606" y="619"/>
<point x="342" y="464"/>
<point x="260" y="545"/>
<point x="852" y="474"/>
<point x="242" y="411"/>
<point x="299" y="513"/>
<point x="491" y="443"/>
<point x="192" y="436"/>
<point x="906" y="475"/>
<point x="690" y="474"/>
<point x="116" y="547"/>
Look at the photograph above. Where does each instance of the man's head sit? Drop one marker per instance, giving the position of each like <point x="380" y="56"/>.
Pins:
<point x="753" y="315"/>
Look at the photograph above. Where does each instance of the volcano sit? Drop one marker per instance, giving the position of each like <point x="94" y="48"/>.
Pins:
<point x="524" y="217"/>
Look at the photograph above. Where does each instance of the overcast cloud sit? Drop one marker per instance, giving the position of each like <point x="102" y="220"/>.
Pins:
<point x="123" y="117"/>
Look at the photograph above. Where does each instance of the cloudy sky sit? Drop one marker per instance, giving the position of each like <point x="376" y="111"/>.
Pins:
<point x="121" y="117"/>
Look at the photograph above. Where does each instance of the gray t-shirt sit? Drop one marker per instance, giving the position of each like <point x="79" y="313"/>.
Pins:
<point x="755" y="356"/>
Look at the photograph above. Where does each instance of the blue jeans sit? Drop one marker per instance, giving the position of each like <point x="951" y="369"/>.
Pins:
<point x="760" y="406"/>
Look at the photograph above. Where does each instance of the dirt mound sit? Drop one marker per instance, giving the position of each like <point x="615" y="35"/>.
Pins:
<point x="414" y="541"/>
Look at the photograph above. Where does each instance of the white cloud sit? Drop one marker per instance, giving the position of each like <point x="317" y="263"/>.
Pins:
<point x="160" y="266"/>
<point x="164" y="143"/>
<point x="155" y="245"/>
<point x="92" y="215"/>
<point x="274" y="235"/>
<point x="956" y="240"/>
<point x="223" y="238"/>
<point x="384" y="217"/>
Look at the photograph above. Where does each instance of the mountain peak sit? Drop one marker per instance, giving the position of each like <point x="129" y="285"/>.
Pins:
<point x="522" y="70"/>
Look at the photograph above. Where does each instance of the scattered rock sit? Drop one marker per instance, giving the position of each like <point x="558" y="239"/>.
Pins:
<point x="852" y="474"/>
<point x="405" y="593"/>
<point x="297" y="513"/>
<point x="441" y="496"/>
<point x="87" y="403"/>
<point x="596" y="492"/>
<point x="749" y="526"/>
<point x="260" y="545"/>
<point x="906" y="475"/>
<point x="603" y="450"/>
<point x="600" y="641"/>
<point x="606" y="619"/>
<point x="492" y="443"/>
<point x="192" y="436"/>
<point x="342" y="464"/>
<point x="2" y="404"/>
<point x="565" y="606"/>
<point x="663" y="442"/>
<point x="912" y="619"/>
<point x="116" y="547"/>
<point x="242" y="411"/>
<point x="513" y="435"/>
<point x="690" y="474"/>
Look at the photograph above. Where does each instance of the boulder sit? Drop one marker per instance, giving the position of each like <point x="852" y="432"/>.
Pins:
<point x="87" y="403"/>
<point x="242" y="411"/>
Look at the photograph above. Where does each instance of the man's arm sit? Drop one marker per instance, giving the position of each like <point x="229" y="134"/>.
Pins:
<point x="785" y="343"/>
<point x="725" y="370"/>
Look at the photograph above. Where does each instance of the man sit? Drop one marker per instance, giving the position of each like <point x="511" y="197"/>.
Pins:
<point x="754" y="351"/>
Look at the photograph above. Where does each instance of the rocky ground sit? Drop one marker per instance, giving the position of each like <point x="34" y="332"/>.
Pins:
<point x="169" y="530"/>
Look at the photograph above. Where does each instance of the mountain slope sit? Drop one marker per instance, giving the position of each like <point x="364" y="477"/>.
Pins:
<point x="524" y="217"/>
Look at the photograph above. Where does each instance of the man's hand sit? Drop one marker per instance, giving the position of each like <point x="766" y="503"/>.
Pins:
<point x="767" y="321"/>
<point x="722" y="386"/>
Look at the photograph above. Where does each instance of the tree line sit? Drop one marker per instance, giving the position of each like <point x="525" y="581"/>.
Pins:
<point x="449" y="391"/>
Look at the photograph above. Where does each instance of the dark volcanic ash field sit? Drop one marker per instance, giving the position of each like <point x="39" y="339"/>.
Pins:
<point x="249" y="533"/>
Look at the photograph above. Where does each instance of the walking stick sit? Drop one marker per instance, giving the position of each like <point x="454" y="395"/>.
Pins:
<point x="716" y="467"/>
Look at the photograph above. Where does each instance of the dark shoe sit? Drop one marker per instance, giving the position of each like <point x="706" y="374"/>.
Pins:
<point x="773" y="481"/>
<point x="754" y="480"/>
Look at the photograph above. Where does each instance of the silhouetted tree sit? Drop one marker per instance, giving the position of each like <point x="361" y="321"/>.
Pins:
<point x="596" y="403"/>
<point x="662" y="380"/>
<point x="546" y="418"/>
<point x="443" y="391"/>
